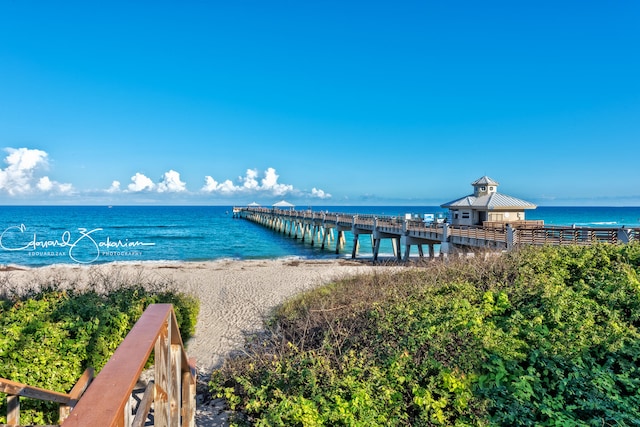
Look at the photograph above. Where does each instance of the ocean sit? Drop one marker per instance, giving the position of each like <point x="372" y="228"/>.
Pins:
<point x="35" y="236"/>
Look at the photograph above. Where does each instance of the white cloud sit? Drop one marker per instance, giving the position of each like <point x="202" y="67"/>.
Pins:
<point x="140" y="182"/>
<point x="210" y="184"/>
<point x="45" y="184"/>
<point x="171" y="183"/>
<point x="249" y="184"/>
<point x="23" y="173"/>
<point x="250" y="181"/>
<point x="64" y="188"/>
<point x="227" y="187"/>
<point x="25" y="170"/>
<point x="115" y="187"/>
<point x="213" y="186"/>
<point x="270" y="183"/>
<point x="320" y="194"/>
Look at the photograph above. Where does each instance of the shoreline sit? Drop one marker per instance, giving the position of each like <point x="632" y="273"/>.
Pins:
<point x="329" y="257"/>
<point x="235" y="295"/>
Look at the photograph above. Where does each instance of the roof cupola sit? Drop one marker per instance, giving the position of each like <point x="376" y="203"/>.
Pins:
<point x="484" y="186"/>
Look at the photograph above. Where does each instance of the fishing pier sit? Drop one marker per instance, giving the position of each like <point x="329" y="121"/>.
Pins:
<point x="327" y="229"/>
<point x="485" y="219"/>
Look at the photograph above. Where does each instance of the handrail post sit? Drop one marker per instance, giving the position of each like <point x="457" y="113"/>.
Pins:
<point x="510" y="237"/>
<point x="188" y="399"/>
<point x="76" y="392"/>
<point x="13" y="409"/>
<point x="105" y="400"/>
<point x="162" y="368"/>
<point x="175" y="401"/>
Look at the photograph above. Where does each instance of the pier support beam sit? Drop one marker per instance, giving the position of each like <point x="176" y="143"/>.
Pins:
<point x="397" y="251"/>
<point x="407" y="241"/>
<point x="356" y="245"/>
<point x="327" y="236"/>
<point x="376" y="249"/>
<point x="340" y="242"/>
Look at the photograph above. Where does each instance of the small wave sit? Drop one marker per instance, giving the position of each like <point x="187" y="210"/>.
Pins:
<point x="140" y="226"/>
<point x="152" y="238"/>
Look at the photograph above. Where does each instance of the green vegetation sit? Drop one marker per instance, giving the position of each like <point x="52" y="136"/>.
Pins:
<point x="48" y="338"/>
<point x="542" y="336"/>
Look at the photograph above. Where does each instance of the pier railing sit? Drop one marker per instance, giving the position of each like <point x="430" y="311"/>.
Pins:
<point x="571" y="236"/>
<point x="479" y="233"/>
<point x="410" y="231"/>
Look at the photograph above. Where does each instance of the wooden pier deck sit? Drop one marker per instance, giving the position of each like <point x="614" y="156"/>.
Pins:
<point x="325" y="228"/>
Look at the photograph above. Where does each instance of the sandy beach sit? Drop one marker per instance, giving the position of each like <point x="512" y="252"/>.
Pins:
<point x="235" y="297"/>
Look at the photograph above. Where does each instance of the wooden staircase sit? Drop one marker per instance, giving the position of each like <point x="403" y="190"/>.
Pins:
<point x="106" y="400"/>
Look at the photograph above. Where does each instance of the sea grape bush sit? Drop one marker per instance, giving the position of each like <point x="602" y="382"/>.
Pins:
<point x="537" y="337"/>
<point x="48" y="339"/>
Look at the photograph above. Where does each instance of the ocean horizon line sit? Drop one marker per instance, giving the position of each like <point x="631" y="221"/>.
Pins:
<point x="295" y="207"/>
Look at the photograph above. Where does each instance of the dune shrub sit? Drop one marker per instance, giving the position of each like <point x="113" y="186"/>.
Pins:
<point x="535" y="337"/>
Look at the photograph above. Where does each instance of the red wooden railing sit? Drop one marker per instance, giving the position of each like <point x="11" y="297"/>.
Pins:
<point x="172" y="393"/>
<point x="106" y="401"/>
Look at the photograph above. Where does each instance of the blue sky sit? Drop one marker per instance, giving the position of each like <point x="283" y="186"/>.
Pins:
<point x="320" y="103"/>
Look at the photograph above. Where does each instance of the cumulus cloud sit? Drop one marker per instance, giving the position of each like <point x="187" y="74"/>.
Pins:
<point x="45" y="184"/>
<point x="115" y="187"/>
<point x="23" y="174"/>
<point x="213" y="186"/>
<point x="63" y="187"/>
<point x="250" y="180"/>
<point x="250" y="184"/>
<point x="140" y="182"/>
<point x="270" y="183"/>
<point x="320" y="194"/>
<point x="171" y="183"/>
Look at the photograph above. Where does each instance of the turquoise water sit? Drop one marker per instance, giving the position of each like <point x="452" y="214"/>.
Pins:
<point x="588" y="216"/>
<point x="45" y="235"/>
